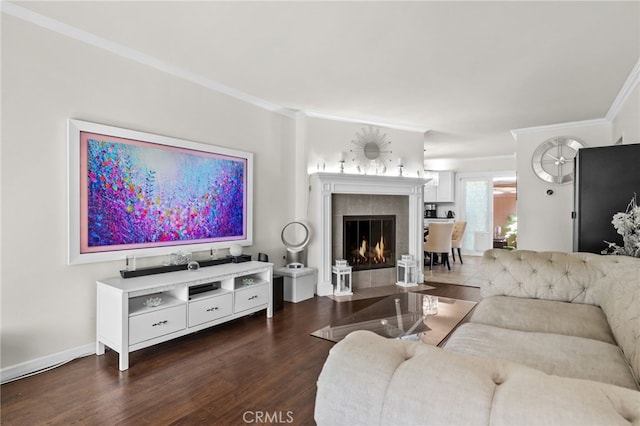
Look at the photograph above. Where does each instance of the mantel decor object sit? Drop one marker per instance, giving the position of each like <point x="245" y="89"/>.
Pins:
<point x="400" y="165"/>
<point x="343" y="159"/>
<point x="372" y="151"/>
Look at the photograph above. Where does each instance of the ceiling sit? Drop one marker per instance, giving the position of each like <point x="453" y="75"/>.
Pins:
<point x="468" y="71"/>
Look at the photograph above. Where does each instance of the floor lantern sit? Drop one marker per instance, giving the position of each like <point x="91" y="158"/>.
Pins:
<point x="407" y="272"/>
<point x="341" y="278"/>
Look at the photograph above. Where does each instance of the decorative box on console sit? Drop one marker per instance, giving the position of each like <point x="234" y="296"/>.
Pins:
<point x="341" y="278"/>
<point x="407" y="272"/>
<point x="299" y="283"/>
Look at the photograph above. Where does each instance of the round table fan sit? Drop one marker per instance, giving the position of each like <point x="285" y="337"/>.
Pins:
<point x="295" y="237"/>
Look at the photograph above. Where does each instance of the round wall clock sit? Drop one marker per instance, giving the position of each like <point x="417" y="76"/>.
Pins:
<point x="552" y="160"/>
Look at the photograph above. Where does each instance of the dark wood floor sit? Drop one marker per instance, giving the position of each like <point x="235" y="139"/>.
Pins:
<point x="251" y="370"/>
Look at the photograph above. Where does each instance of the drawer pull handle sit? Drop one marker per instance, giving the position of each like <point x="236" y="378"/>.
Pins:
<point x="215" y="308"/>
<point x="160" y="323"/>
<point x="253" y="297"/>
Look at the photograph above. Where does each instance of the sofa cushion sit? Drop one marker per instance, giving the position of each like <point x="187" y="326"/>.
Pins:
<point x="544" y="316"/>
<point x="528" y="398"/>
<point x="556" y="354"/>
<point x="370" y="380"/>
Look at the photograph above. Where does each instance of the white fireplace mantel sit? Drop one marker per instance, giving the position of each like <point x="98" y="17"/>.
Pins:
<point x="324" y="185"/>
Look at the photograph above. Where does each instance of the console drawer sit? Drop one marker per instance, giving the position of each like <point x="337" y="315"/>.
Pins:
<point x="209" y="309"/>
<point x="251" y="297"/>
<point x="157" y="323"/>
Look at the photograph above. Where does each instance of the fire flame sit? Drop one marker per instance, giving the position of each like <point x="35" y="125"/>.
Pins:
<point x="374" y="255"/>
<point x="378" y="252"/>
<point x="363" y="249"/>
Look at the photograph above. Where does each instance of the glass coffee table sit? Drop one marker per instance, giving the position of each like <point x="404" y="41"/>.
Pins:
<point x="401" y="316"/>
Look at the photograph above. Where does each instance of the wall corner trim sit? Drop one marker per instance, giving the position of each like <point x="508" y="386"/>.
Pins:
<point x="633" y="80"/>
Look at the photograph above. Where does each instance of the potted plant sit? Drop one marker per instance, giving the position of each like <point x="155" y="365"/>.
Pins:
<point x="511" y="233"/>
<point x="627" y="224"/>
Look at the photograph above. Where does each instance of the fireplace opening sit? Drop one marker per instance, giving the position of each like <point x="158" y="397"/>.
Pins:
<point x="370" y="241"/>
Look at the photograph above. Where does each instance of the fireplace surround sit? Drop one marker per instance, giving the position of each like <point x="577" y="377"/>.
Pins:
<point x="324" y="185"/>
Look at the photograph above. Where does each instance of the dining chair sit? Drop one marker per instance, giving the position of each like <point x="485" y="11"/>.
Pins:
<point x="439" y="242"/>
<point x="456" y="238"/>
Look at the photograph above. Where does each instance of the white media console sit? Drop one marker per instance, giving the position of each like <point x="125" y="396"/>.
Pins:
<point x="190" y="301"/>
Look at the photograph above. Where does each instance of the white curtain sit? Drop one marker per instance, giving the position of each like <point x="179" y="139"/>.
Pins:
<point x="477" y="211"/>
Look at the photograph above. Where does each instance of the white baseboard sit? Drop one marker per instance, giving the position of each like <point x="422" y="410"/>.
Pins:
<point x="26" y="368"/>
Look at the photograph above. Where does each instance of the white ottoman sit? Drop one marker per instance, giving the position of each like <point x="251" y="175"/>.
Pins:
<point x="299" y="283"/>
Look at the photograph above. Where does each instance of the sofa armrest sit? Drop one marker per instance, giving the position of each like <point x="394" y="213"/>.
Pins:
<point x="370" y="380"/>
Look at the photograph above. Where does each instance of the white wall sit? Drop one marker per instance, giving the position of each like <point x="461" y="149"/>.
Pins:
<point x="544" y="221"/>
<point x="47" y="306"/>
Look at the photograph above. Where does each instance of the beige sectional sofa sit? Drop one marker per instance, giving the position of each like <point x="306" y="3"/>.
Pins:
<point x="555" y="340"/>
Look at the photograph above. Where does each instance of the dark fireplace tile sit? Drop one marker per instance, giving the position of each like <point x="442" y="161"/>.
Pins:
<point x="340" y="204"/>
<point x="382" y="277"/>
<point x="361" y="279"/>
<point x="336" y="233"/>
<point x="360" y="203"/>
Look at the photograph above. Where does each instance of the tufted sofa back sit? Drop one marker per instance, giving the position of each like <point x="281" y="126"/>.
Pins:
<point x="610" y="282"/>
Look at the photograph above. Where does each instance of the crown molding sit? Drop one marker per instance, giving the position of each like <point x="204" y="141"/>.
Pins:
<point x="559" y="126"/>
<point x="627" y="88"/>
<point x="476" y="158"/>
<point x="389" y="125"/>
